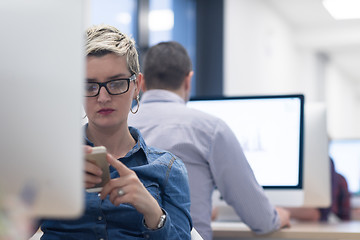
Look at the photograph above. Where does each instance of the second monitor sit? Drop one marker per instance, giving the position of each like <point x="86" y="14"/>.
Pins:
<point x="317" y="173"/>
<point x="270" y="131"/>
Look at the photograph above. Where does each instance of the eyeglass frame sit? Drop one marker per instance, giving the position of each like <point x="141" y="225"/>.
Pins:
<point x="104" y="84"/>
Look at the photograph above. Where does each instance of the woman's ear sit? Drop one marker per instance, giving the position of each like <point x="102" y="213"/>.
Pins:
<point x="138" y="84"/>
<point x="142" y="82"/>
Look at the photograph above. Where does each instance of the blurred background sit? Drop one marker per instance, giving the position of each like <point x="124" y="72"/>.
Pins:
<point x="254" y="47"/>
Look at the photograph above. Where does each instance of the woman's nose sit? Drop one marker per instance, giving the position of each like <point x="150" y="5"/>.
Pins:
<point x="103" y="94"/>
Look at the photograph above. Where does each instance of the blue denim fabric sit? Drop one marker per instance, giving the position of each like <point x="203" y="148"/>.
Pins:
<point x="164" y="176"/>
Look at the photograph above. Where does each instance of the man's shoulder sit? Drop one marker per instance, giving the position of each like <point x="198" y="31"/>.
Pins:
<point x="163" y="113"/>
<point x="202" y="116"/>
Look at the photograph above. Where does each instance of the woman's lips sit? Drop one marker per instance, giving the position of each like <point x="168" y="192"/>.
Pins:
<point x="106" y="111"/>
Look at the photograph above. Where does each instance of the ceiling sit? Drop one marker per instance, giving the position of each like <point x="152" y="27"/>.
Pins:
<point x="315" y="28"/>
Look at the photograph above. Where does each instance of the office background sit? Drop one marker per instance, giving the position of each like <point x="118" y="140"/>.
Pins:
<point x="295" y="46"/>
<point x="252" y="47"/>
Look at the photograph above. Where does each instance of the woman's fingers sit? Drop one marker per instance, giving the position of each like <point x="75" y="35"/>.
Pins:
<point x="92" y="174"/>
<point x="128" y="189"/>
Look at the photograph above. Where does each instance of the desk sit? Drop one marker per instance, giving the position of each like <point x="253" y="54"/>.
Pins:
<point x="328" y="231"/>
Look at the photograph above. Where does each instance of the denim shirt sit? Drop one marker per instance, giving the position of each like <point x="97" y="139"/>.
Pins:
<point x="164" y="176"/>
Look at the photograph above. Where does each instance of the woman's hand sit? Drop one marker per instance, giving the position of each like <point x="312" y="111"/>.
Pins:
<point x="92" y="172"/>
<point x="132" y="192"/>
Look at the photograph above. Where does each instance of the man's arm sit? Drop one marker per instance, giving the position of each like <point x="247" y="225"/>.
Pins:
<point x="304" y="214"/>
<point x="238" y="186"/>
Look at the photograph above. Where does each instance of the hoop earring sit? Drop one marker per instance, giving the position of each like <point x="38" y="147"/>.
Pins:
<point x="137" y="107"/>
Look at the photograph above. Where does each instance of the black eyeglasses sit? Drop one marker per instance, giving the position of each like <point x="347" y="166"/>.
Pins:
<point x="113" y="87"/>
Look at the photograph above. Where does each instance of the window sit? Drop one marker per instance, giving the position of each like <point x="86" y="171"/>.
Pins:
<point x="196" y="24"/>
<point x="121" y="14"/>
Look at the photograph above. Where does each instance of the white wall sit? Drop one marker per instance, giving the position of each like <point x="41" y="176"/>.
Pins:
<point x="343" y="105"/>
<point x="259" y="54"/>
<point x="262" y="55"/>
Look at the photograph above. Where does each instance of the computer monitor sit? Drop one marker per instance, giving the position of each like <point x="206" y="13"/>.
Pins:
<point x="42" y="72"/>
<point x="346" y="156"/>
<point x="317" y="173"/>
<point x="270" y="131"/>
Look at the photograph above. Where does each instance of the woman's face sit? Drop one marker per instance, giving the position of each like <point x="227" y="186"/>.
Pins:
<point x="105" y="110"/>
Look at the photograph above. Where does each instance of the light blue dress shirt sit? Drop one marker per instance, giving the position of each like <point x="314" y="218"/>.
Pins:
<point x="163" y="175"/>
<point x="213" y="157"/>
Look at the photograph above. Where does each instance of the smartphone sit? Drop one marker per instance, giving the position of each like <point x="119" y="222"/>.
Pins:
<point x="98" y="157"/>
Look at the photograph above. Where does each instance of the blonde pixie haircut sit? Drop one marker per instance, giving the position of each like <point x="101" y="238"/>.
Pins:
<point x="104" y="39"/>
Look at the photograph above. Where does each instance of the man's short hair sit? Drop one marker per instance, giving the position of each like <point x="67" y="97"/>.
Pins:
<point x="166" y="65"/>
<point x="104" y="39"/>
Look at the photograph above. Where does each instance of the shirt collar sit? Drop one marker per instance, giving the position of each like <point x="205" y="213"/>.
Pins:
<point x="160" y="95"/>
<point x="140" y="143"/>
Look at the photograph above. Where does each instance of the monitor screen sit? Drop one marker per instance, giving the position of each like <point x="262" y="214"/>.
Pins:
<point x="346" y="156"/>
<point x="270" y="131"/>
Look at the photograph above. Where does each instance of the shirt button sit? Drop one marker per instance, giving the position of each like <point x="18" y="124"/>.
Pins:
<point x="100" y="218"/>
<point x="101" y="239"/>
<point x="147" y="236"/>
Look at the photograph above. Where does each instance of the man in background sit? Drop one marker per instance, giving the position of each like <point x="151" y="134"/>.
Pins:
<point x="210" y="150"/>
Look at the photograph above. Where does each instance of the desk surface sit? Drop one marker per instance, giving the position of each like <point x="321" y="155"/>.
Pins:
<point x="343" y="230"/>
